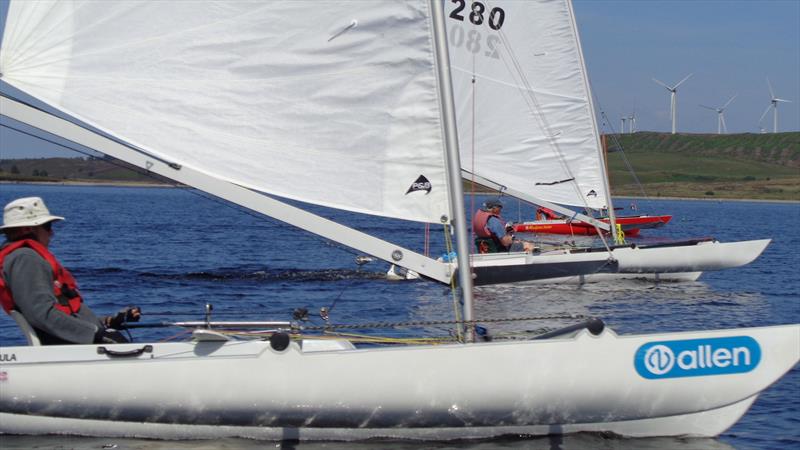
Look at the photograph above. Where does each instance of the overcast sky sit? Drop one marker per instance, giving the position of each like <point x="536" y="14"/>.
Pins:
<point x="731" y="47"/>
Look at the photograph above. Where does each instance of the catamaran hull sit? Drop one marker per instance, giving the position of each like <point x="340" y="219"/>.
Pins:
<point x="519" y="267"/>
<point x="692" y="257"/>
<point x="627" y="385"/>
<point x="704" y="424"/>
<point x="631" y="225"/>
<point x="667" y="262"/>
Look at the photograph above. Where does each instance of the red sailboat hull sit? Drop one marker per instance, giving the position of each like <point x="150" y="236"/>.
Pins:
<point x="630" y="225"/>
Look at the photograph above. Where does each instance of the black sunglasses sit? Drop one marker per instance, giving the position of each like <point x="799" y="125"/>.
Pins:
<point x="48" y="226"/>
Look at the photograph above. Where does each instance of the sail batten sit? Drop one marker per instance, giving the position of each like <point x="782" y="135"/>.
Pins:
<point x="327" y="103"/>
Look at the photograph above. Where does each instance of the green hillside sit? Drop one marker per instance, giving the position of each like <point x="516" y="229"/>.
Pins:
<point x="762" y="166"/>
<point x="756" y="166"/>
<point x="86" y="169"/>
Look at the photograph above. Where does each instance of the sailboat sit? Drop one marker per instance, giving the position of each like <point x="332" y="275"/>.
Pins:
<point x="232" y="98"/>
<point x="527" y="129"/>
<point x="548" y="222"/>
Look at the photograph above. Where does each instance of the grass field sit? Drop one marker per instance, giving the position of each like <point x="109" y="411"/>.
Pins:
<point x="757" y="166"/>
<point x="742" y="166"/>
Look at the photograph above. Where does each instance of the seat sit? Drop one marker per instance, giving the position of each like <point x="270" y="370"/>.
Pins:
<point x="27" y="329"/>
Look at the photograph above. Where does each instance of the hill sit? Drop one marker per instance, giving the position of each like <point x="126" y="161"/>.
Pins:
<point x="756" y="166"/>
<point x="759" y="166"/>
<point x="86" y="169"/>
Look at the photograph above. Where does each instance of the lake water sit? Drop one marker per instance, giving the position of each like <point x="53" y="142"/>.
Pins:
<point x="170" y="251"/>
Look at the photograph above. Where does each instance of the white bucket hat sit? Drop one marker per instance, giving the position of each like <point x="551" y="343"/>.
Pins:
<point x="27" y="212"/>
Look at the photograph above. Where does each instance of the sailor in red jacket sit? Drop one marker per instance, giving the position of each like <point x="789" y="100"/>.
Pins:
<point x="493" y="235"/>
<point x="33" y="282"/>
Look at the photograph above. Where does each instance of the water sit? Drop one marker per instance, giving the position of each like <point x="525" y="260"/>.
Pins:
<point x="170" y="251"/>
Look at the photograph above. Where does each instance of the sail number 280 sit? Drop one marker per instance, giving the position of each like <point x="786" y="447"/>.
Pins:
<point x="495" y="18"/>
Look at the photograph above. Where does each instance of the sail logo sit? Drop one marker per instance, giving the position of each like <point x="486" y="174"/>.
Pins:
<point x="421" y="184"/>
<point x="697" y="357"/>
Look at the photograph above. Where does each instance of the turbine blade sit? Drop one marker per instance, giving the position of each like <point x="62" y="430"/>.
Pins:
<point x="662" y="83"/>
<point x="729" y="102"/>
<point x="681" y="82"/>
<point x="764" y="114"/>
<point x="781" y="100"/>
<point x="769" y="85"/>
<point x="708" y="107"/>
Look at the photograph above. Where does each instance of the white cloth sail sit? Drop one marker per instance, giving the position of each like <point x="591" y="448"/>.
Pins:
<point x="321" y="101"/>
<point x="526" y="121"/>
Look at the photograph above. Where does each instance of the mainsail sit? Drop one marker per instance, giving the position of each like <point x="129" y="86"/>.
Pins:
<point x="523" y="103"/>
<point x="320" y="101"/>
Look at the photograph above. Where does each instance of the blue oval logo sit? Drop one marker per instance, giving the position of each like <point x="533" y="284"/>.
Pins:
<point x="697" y="357"/>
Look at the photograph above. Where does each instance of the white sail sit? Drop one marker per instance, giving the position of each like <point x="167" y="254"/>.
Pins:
<point x="321" y="101"/>
<point x="523" y="103"/>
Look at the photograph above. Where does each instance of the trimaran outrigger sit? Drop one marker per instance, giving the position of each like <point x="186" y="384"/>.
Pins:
<point x="214" y="95"/>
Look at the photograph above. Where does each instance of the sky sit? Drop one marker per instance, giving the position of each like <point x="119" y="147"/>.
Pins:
<point x="730" y="46"/>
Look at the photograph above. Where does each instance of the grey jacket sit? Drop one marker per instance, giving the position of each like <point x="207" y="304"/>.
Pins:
<point x="30" y="279"/>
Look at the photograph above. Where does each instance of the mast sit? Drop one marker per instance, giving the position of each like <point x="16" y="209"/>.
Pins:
<point x="600" y="151"/>
<point x="453" y="163"/>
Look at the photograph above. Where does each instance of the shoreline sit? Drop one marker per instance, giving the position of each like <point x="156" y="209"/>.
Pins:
<point x="92" y="183"/>
<point x="170" y="186"/>
<point x="663" y="197"/>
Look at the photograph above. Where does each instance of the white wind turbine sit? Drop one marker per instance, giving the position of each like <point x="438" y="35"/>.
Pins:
<point x="721" y="128"/>
<point x="673" y="90"/>
<point x="622" y="127"/>
<point x="632" y="122"/>
<point x="773" y="103"/>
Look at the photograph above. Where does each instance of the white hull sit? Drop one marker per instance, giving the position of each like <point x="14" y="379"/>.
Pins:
<point x="699" y="257"/>
<point x="672" y="263"/>
<point x="680" y="262"/>
<point x="328" y="390"/>
<point x="704" y="424"/>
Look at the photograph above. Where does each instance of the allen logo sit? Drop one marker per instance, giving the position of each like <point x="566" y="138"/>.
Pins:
<point x="422" y="184"/>
<point x="697" y="357"/>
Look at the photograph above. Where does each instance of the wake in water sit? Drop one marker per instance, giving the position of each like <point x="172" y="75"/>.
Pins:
<point x="250" y="275"/>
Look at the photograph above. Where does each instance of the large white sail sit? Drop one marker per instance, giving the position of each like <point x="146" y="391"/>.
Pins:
<point x="328" y="102"/>
<point x="523" y="104"/>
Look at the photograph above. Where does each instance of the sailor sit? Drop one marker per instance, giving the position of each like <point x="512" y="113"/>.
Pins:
<point x="492" y="233"/>
<point x="34" y="283"/>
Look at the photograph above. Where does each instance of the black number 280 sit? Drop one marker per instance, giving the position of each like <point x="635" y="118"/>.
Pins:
<point x="495" y="20"/>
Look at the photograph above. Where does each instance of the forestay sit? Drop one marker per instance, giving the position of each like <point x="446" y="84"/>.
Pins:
<point x="326" y="102"/>
<point x="523" y="103"/>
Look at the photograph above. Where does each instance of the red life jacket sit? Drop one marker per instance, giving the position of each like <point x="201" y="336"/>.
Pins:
<point x="547" y="213"/>
<point x="64" y="286"/>
<point x="480" y="223"/>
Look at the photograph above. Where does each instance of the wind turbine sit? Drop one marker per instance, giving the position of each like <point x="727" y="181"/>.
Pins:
<point x="632" y="122"/>
<point x="721" y="128"/>
<point x="622" y="128"/>
<point x="673" y="90"/>
<point x="773" y="103"/>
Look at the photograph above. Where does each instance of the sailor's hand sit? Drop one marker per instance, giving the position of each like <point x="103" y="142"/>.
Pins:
<point x="109" y="336"/>
<point x="129" y="314"/>
<point x="510" y="227"/>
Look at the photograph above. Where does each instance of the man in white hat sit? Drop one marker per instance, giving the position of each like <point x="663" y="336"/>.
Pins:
<point x="33" y="282"/>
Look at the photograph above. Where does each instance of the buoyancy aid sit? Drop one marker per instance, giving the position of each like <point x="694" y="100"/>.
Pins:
<point x="64" y="286"/>
<point x="480" y="225"/>
<point x="548" y="214"/>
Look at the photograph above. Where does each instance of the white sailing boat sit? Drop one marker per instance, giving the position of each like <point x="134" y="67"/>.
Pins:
<point x="527" y="129"/>
<point x="240" y="98"/>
